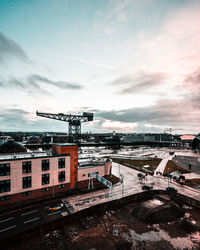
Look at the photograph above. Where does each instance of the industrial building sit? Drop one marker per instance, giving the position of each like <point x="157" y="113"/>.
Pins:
<point x="47" y="174"/>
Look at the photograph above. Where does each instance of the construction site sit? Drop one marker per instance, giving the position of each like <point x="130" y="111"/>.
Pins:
<point x="142" y="221"/>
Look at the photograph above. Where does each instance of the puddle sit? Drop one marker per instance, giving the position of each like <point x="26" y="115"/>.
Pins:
<point x="153" y="203"/>
<point x="190" y="242"/>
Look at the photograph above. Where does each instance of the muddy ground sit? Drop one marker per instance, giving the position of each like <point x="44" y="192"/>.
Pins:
<point x="160" y="223"/>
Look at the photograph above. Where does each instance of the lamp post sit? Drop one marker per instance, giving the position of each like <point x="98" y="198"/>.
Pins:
<point x="122" y="185"/>
<point x="53" y="186"/>
<point x="168" y="177"/>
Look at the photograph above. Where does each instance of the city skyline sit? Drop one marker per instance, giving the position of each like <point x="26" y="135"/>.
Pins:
<point x="135" y="64"/>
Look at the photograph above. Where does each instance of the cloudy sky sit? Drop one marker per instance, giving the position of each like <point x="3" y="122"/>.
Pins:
<point x="134" y="63"/>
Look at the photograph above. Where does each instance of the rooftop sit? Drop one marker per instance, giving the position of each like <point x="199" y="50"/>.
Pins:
<point x="91" y="162"/>
<point x="29" y="155"/>
<point x="65" y="144"/>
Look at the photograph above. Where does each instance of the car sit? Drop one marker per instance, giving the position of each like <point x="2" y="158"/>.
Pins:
<point x="171" y="189"/>
<point x="140" y="175"/>
<point x="56" y="208"/>
<point x="146" y="187"/>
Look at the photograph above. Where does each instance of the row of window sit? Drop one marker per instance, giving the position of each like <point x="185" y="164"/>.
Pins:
<point x="8" y="197"/>
<point x="26" y="166"/>
<point x="27" y="181"/>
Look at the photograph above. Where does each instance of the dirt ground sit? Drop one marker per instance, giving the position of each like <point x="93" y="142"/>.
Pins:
<point x="160" y="223"/>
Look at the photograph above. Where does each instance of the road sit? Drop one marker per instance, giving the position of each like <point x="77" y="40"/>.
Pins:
<point x="21" y="220"/>
<point x="24" y="219"/>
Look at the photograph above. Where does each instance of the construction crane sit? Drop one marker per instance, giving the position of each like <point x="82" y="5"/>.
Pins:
<point x="74" y="131"/>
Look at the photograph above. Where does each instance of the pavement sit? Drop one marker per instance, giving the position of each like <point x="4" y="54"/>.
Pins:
<point x="131" y="185"/>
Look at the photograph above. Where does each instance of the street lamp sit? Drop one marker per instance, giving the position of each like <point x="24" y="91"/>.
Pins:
<point x="122" y="184"/>
<point x="168" y="177"/>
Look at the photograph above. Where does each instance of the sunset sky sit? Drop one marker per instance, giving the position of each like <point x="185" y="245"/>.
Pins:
<point x="134" y="63"/>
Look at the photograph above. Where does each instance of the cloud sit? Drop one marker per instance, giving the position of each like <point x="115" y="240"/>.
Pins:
<point x="138" y="82"/>
<point x="85" y="61"/>
<point x="179" y="112"/>
<point x="31" y="88"/>
<point x="32" y="84"/>
<point x="12" y="119"/>
<point x="59" y="84"/>
<point x="10" y="49"/>
<point x="116" y="125"/>
<point x="194" y="78"/>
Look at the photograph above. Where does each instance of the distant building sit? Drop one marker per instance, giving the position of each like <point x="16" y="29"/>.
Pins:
<point x="11" y="147"/>
<point x="4" y="139"/>
<point x="196" y="143"/>
<point x="148" y="137"/>
<point x="186" y="140"/>
<point x="33" y="176"/>
<point x="33" y="139"/>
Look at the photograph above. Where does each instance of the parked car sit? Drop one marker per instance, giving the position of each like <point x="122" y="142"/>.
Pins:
<point x="56" y="208"/>
<point x="171" y="189"/>
<point x="140" y="175"/>
<point x="146" y="187"/>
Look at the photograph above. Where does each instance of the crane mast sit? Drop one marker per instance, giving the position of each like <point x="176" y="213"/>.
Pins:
<point x="74" y="130"/>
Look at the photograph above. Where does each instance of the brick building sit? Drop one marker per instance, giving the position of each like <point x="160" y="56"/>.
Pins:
<point x="32" y="176"/>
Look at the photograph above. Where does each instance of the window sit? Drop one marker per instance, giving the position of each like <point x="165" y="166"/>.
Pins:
<point x="26" y="193"/>
<point x="5" y="198"/>
<point x="4" y="169"/>
<point x="45" y="165"/>
<point x="61" y="176"/>
<point x="45" y="179"/>
<point x="4" y="186"/>
<point x="26" y="167"/>
<point x="61" y="163"/>
<point x="45" y="189"/>
<point x="61" y="186"/>
<point x="26" y="182"/>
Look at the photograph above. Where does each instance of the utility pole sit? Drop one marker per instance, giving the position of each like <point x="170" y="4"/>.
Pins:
<point x="170" y="137"/>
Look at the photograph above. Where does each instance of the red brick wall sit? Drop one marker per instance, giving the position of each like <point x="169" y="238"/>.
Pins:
<point x="73" y="151"/>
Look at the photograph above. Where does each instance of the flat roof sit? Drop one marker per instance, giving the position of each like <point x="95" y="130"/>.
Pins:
<point x="28" y="155"/>
<point x="65" y="144"/>
<point x="90" y="164"/>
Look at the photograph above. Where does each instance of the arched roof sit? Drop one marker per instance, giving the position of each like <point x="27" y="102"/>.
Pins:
<point x="11" y="147"/>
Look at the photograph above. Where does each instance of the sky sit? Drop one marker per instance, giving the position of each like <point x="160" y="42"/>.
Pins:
<point x="134" y="63"/>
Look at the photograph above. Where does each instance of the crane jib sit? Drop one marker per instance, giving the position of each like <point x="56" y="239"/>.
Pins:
<point x="74" y="121"/>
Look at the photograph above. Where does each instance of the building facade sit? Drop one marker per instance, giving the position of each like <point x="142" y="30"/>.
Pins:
<point x="37" y="175"/>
